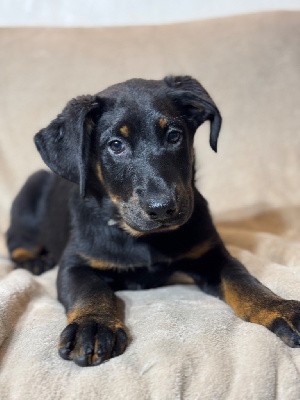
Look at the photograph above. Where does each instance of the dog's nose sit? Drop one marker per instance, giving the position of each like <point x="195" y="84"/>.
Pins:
<point x="160" y="208"/>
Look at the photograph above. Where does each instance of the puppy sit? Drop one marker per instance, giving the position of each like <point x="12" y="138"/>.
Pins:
<point x="121" y="211"/>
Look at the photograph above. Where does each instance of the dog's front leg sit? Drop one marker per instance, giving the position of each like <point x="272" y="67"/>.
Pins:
<point x="94" y="332"/>
<point x="222" y="274"/>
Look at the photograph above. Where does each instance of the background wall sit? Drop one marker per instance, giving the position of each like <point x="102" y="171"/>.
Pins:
<point x="126" y="12"/>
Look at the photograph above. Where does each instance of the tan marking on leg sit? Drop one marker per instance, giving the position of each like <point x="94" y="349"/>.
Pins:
<point x="197" y="251"/>
<point x="102" y="310"/>
<point x="242" y="308"/>
<point x="95" y="356"/>
<point x="78" y="313"/>
<point x="180" y="278"/>
<point x="253" y="307"/>
<point x="162" y="122"/>
<point x="21" y="254"/>
<point x="100" y="264"/>
<point x="265" y="317"/>
<point x="124" y="130"/>
<point x="118" y="325"/>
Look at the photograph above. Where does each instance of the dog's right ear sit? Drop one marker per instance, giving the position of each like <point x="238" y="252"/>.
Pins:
<point x="65" y="144"/>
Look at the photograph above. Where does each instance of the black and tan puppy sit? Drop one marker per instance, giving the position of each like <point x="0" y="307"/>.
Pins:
<point x="122" y="212"/>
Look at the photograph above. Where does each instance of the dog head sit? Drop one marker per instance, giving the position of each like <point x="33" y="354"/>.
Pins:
<point x="134" y="141"/>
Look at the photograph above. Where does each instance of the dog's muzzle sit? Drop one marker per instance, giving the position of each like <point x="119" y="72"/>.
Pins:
<point x="156" y="213"/>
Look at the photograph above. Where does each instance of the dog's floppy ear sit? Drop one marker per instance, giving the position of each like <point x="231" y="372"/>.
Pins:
<point x="196" y="104"/>
<point x="65" y="144"/>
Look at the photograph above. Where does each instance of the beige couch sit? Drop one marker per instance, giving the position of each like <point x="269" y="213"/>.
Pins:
<point x="185" y="344"/>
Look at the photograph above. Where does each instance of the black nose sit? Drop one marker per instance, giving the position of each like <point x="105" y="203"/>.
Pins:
<point x="162" y="208"/>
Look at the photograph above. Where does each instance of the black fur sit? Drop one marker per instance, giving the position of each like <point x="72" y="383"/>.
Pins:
<point x="123" y="212"/>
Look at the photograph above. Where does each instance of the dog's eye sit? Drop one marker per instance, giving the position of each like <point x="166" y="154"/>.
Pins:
<point x="116" y="146"/>
<point x="174" y="137"/>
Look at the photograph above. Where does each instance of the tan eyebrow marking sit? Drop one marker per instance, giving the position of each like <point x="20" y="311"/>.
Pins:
<point x="124" y="130"/>
<point x="162" y="122"/>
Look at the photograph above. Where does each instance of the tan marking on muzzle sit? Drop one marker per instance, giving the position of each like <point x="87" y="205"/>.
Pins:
<point x="130" y="230"/>
<point x="136" y="233"/>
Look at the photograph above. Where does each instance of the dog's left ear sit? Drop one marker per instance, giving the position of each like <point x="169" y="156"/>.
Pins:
<point x="65" y="143"/>
<point x="195" y="104"/>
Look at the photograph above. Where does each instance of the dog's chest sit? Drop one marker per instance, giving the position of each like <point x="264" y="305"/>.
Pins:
<point x="106" y="246"/>
<point x="117" y="250"/>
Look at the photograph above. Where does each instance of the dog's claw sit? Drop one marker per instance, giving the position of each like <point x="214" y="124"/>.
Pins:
<point x="90" y="343"/>
<point x="287" y="325"/>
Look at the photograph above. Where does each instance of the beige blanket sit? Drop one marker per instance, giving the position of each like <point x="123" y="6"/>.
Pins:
<point x="185" y="344"/>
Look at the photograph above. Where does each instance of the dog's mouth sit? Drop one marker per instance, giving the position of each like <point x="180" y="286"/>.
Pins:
<point x="138" y="224"/>
<point x="137" y="219"/>
<point x="138" y="230"/>
<point x="148" y="226"/>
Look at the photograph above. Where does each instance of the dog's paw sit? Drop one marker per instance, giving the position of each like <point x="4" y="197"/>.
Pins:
<point x="89" y="342"/>
<point x="34" y="260"/>
<point x="36" y="266"/>
<point x="285" y="322"/>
